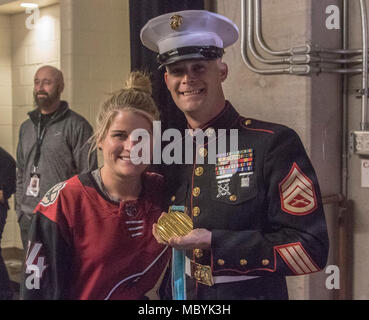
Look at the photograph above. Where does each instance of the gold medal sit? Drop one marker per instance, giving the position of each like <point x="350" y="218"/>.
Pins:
<point x="174" y="224"/>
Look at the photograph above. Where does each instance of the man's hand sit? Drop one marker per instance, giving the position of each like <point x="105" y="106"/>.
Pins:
<point x="196" y="239"/>
<point x="2" y="200"/>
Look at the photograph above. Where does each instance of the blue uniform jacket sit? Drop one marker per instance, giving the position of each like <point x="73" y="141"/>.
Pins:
<point x="261" y="202"/>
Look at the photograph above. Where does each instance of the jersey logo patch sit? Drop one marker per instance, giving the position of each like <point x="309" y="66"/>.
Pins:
<point x="50" y="196"/>
<point x="297" y="193"/>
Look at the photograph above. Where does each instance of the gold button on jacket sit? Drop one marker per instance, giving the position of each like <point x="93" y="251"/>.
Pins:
<point x="198" y="253"/>
<point x="203" y="152"/>
<point x="265" y="262"/>
<point x="221" y="262"/>
<point x="196" y="211"/>
<point x="199" y="171"/>
<point x="243" y="262"/>
<point x="210" y="132"/>
<point x="196" y="191"/>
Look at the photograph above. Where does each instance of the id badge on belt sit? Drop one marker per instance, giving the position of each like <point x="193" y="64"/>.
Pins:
<point x="33" y="188"/>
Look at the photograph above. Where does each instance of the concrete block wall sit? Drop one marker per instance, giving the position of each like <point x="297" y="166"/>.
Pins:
<point x="357" y="194"/>
<point x="308" y="104"/>
<point x="32" y="48"/>
<point x="95" y="51"/>
<point x="260" y="96"/>
<point x="23" y="50"/>
<point x="6" y="116"/>
<point x="87" y="39"/>
<point x="90" y="43"/>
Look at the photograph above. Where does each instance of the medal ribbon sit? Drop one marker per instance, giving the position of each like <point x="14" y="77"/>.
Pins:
<point x="178" y="269"/>
<point x="178" y="275"/>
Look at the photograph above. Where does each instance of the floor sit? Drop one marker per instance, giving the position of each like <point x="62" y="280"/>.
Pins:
<point x="13" y="258"/>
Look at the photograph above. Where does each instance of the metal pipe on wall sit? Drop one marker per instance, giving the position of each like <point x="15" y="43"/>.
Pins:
<point x="296" y="55"/>
<point x="245" y="29"/>
<point x="295" y="50"/>
<point x="345" y="150"/>
<point x="342" y="71"/>
<point x="285" y="52"/>
<point x="364" y="98"/>
<point x="250" y="39"/>
<point x="334" y="198"/>
<point x="339" y="51"/>
<point x="344" y="215"/>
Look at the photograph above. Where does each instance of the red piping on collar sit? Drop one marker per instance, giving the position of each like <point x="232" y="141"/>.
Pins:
<point x="261" y="130"/>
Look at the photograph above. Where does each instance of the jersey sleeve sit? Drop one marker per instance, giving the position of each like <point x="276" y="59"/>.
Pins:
<point x="293" y="238"/>
<point x="47" y="268"/>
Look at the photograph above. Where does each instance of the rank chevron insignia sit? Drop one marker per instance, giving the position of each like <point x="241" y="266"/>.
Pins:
<point x="297" y="193"/>
<point x="297" y="259"/>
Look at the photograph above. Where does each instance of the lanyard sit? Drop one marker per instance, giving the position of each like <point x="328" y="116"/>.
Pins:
<point x="40" y="139"/>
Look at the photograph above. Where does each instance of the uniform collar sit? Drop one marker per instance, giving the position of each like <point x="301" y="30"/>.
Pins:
<point x="224" y="120"/>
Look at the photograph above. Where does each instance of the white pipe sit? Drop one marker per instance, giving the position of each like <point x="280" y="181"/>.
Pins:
<point x="302" y="49"/>
<point x="250" y="38"/>
<point x="245" y="27"/>
<point x="345" y="151"/>
<point x="260" y="39"/>
<point x="300" y="62"/>
<point x="364" y="98"/>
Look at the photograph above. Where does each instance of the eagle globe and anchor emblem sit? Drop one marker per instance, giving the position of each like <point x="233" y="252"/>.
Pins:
<point x="176" y="21"/>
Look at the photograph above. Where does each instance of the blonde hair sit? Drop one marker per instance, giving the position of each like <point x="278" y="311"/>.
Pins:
<point x="135" y="97"/>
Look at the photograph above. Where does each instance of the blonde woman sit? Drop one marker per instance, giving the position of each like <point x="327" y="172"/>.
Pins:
<point x="91" y="235"/>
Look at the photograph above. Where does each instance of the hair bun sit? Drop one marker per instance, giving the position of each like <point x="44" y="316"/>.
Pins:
<point x="139" y="81"/>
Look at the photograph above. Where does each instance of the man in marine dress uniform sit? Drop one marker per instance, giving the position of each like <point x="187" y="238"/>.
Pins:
<point x="257" y="210"/>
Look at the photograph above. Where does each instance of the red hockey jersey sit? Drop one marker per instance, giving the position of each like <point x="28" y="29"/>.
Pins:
<point x="84" y="246"/>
